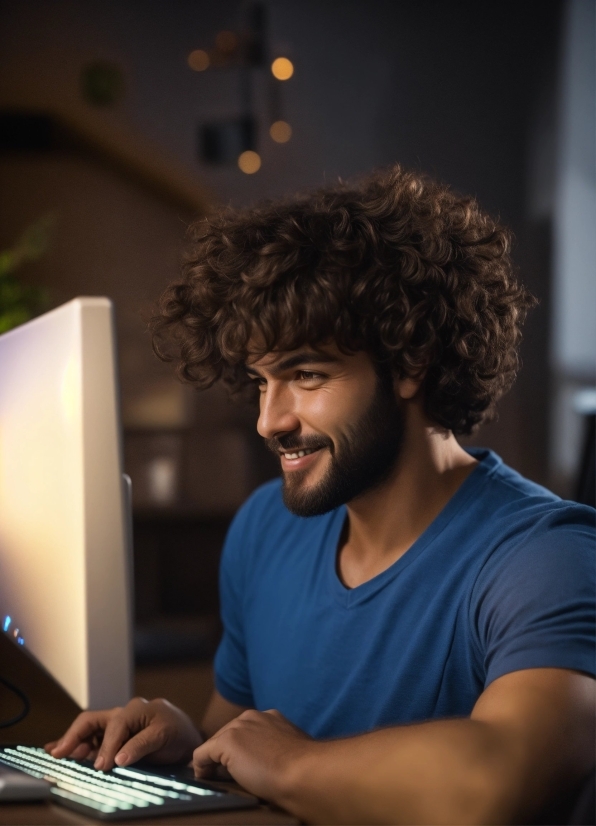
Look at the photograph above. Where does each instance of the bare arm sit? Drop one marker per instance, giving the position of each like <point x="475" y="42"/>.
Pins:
<point x="219" y="712"/>
<point x="530" y="736"/>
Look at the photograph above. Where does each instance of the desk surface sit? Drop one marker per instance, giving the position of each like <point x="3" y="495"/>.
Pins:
<point x="47" y="814"/>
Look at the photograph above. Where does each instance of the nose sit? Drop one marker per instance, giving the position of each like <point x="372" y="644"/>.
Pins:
<point x="276" y="411"/>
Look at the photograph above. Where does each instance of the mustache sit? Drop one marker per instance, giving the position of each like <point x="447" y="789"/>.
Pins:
<point x="283" y="444"/>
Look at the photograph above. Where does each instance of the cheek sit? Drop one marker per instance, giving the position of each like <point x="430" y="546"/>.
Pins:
<point x="315" y="410"/>
<point x="330" y="410"/>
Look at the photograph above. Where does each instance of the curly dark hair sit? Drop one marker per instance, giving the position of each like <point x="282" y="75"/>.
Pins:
<point x="396" y="265"/>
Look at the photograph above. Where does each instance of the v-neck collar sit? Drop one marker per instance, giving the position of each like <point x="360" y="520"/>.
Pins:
<point x="488" y="463"/>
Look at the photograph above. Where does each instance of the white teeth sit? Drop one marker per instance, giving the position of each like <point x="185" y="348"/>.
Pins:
<point x="298" y="455"/>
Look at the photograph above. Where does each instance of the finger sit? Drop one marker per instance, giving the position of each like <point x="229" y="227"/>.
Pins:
<point x="207" y="757"/>
<point x="116" y="734"/>
<point x="147" y="741"/>
<point x="81" y="752"/>
<point x="211" y="772"/>
<point x="221" y="773"/>
<point x="84" y="727"/>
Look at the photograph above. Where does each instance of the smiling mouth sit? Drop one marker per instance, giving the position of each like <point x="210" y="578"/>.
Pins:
<point x="298" y="454"/>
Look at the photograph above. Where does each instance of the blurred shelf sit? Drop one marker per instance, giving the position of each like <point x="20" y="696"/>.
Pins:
<point x="176" y="640"/>
<point x="176" y="564"/>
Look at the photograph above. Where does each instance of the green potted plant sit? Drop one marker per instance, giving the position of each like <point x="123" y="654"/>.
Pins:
<point x="19" y="302"/>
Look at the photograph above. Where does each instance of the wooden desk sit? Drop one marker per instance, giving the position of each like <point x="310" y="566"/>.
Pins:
<point x="47" y="814"/>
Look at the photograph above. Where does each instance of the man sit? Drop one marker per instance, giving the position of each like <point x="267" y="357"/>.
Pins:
<point x="425" y="604"/>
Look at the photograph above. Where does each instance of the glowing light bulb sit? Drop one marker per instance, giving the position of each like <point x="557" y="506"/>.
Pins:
<point x="282" y="68"/>
<point x="249" y="162"/>
<point x="280" y="131"/>
<point x="198" y="60"/>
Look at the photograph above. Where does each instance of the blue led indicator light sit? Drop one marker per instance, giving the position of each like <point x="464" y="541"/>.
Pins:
<point x="20" y="641"/>
<point x="6" y="624"/>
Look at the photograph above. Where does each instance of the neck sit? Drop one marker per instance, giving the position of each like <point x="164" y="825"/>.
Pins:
<point x="384" y="522"/>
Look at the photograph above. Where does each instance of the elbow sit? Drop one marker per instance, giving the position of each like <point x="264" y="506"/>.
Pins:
<point x="480" y="798"/>
<point x="488" y="802"/>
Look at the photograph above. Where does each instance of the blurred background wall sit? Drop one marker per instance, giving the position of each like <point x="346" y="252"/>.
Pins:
<point x="124" y="121"/>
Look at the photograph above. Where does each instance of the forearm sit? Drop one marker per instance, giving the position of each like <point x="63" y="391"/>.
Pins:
<point x="530" y="737"/>
<point x="453" y="771"/>
<point x="219" y="711"/>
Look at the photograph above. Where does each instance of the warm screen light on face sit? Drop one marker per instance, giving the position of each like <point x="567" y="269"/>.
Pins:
<point x="352" y="452"/>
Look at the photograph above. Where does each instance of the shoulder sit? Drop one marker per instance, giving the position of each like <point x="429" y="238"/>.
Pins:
<point x="247" y="531"/>
<point x="532" y="601"/>
<point x="535" y="541"/>
<point x="543" y="551"/>
<point x="518" y="512"/>
<point x="262" y="507"/>
<point x="545" y="544"/>
<point x="265" y="498"/>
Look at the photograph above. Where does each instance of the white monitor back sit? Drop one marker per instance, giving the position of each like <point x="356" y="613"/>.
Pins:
<point x="65" y="583"/>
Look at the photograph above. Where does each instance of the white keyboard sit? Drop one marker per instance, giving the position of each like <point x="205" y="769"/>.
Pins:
<point x="121" y="792"/>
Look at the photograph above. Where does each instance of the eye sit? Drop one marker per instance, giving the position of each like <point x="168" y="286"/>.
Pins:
<point x="258" y="381"/>
<point x="309" y="376"/>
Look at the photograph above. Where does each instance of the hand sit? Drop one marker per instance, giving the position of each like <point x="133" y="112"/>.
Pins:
<point x="258" y="749"/>
<point x="143" y="728"/>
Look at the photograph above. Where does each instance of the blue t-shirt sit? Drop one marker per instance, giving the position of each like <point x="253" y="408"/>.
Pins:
<point x="503" y="579"/>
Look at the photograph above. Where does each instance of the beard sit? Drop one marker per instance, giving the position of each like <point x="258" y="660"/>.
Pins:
<point x="363" y="459"/>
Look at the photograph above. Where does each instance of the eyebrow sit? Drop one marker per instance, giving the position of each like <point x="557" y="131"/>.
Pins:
<point x="297" y="360"/>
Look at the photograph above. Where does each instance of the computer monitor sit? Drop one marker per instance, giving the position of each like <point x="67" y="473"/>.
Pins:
<point x="65" y="555"/>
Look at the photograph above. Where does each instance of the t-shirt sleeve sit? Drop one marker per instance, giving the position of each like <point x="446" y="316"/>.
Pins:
<point x="535" y="603"/>
<point x="232" y="678"/>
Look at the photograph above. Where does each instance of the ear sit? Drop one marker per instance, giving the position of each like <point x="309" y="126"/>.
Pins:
<point x="407" y="388"/>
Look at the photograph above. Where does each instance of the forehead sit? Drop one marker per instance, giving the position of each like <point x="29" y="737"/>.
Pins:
<point x="328" y="355"/>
